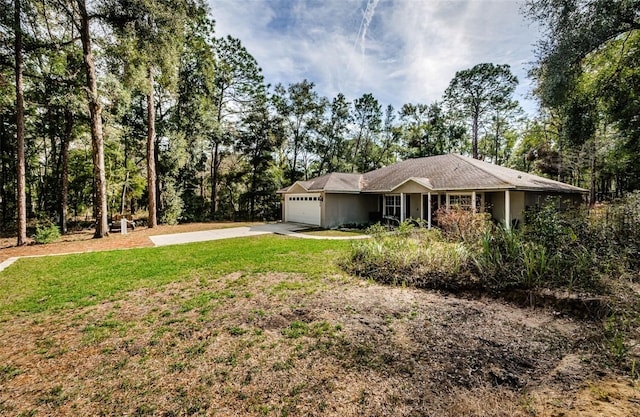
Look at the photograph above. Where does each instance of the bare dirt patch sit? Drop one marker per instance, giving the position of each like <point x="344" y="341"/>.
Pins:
<point x="82" y="241"/>
<point x="285" y="344"/>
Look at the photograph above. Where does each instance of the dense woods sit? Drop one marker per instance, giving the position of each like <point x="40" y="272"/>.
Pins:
<point x="139" y="107"/>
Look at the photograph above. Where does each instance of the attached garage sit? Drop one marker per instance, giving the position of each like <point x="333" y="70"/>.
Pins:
<point x="303" y="208"/>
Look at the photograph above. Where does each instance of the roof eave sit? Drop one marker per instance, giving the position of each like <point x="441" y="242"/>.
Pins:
<point x="342" y="191"/>
<point x="553" y="190"/>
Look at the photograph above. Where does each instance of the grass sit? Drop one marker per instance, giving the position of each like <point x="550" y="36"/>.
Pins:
<point x="40" y="284"/>
<point x="267" y="326"/>
<point x="333" y="233"/>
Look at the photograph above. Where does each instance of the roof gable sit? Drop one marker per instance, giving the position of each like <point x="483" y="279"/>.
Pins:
<point x="297" y="187"/>
<point x="334" y="182"/>
<point x="414" y="185"/>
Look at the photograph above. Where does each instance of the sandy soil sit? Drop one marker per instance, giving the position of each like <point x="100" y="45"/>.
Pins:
<point x="281" y="344"/>
<point x="83" y="241"/>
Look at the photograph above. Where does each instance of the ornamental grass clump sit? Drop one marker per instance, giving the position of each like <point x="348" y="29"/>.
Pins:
<point x="409" y="256"/>
<point x="545" y="253"/>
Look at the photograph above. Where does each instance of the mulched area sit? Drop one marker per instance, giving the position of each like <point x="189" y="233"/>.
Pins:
<point x="83" y="241"/>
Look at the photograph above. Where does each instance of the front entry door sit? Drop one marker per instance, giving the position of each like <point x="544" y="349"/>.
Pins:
<point x="434" y="208"/>
<point x="407" y="206"/>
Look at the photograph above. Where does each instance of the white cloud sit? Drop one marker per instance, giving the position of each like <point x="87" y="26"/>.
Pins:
<point x="412" y="48"/>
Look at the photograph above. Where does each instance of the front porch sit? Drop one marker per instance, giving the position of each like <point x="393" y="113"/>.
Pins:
<point x="505" y="207"/>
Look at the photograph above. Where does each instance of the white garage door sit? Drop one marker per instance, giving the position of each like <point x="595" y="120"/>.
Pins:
<point x="303" y="208"/>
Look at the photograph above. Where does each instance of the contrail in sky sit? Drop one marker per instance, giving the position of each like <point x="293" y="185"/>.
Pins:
<point x="362" y="32"/>
<point x="366" y="21"/>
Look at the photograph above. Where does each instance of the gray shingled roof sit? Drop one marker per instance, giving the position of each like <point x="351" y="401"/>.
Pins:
<point x="335" y="181"/>
<point x="442" y="172"/>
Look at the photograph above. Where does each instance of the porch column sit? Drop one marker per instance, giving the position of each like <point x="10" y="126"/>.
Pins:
<point x="507" y="209"/>
<point x="402" y="207"/>
<point x="384" y="205"/>
<point x="473" y="201"/>
<point x="429" y="211"/>
<point x="421" y="206"/>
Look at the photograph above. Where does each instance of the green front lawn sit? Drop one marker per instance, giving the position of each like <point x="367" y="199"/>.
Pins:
<point x="268" y="326"/>
<point x="51" y="282"/>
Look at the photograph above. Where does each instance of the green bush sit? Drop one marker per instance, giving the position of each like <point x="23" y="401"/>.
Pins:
<point x="614" y="232"/>
<point x="545" y="253"/>
<point x="46" y="234"/>
<point x="572" y="250"/>
<point x="172" y="205"/>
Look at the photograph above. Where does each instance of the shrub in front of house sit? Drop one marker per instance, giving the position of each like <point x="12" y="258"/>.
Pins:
<point x="410" y="256"/>
<point x="576" y="251"/>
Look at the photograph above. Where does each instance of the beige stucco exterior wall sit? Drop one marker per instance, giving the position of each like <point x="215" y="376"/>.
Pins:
<point x="410" y="188"/>
<point x="497" y="202"/>
<point x="339" y="209"/>
<point x="517" y="205"/>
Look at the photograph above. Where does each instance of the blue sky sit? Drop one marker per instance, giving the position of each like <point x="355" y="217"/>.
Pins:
<point x="401" y="51"/>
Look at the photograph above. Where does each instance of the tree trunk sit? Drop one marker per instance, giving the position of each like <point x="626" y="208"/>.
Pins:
<point x="151" y="153"/>
<point x="64" y="174"/>
<point x="497" y="143"/>
<point x="97" y="140"/>
<point x="21" y="191"/>
<point x="474" y="137"/>
<point x="4" y="181"/>
<point x="252" y="201"/>
<point x="214" y="179"/>
<point x="123" y="200"/>
<point x="560" y="155"/>
<point x="592" y="186"/>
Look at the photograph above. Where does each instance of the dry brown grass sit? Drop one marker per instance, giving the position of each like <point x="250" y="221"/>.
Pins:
<point x="279" y="344"/>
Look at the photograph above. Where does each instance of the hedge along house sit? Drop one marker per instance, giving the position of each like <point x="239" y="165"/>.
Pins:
<point x="417" y="188"/>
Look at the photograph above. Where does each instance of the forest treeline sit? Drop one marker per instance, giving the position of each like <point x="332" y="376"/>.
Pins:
<point x="137" y="106"/>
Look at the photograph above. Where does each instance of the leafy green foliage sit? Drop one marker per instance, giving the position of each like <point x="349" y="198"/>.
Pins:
<point x="331" y="142"/>
<point x="586" y="74"/>
<point x="574" y="29"/>
<point x="428" y="130"/>
<point x="46" y="233"/>
<point x="576" y="251"/>
<point x="300" y="108"/>
<point x="171" y="208"/>
<point x="481" y="92"/>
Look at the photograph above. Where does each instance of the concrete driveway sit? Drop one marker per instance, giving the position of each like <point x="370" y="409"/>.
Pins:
<point x="287" y="229"/>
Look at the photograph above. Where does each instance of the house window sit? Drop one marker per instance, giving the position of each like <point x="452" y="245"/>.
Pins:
<point x="392" y="206"/>
<point x="464" y="201"/>
<point x="460" y="200"/>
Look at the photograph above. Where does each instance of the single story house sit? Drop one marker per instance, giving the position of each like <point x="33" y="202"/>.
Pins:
<point x="417" y="188"/>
